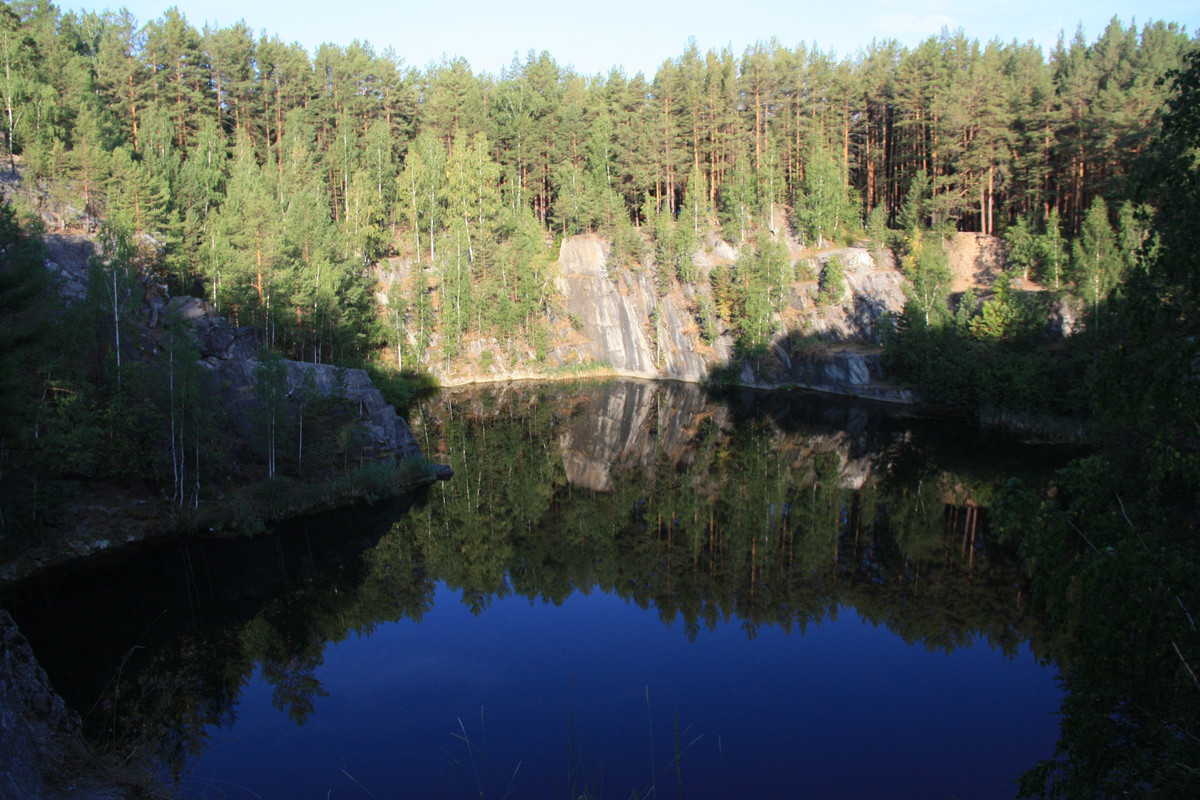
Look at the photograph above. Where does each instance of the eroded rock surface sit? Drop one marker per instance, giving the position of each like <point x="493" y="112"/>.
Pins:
<point x="387" y="435"/>
<point x="638" y="331"/>
<point x="66" y="260"/>
<point x="42" y="754"/>
<point x="628" y="325"/>
<point x="612" y="320"/>
<point x="35" y="723"/>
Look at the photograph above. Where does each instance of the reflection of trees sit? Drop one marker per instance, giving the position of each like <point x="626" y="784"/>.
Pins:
<point x="713" y="514"/>
<point x="167" y="701"/>
<point x="1118" y="581"/>
<point x="181" y="629"/>
<point x="289" y="644"/>
<point x="295" y="680"/>
<point x="745" y="518"/>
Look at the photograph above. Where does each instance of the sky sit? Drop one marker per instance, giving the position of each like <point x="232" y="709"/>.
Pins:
<point x="595" y="37"/>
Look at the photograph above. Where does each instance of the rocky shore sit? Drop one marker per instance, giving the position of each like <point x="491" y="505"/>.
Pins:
<point x="42" y="750"/>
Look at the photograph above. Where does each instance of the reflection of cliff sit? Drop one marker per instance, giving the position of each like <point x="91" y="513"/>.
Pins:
<point x="624" y="424"/>
<point x="627" y="424"/>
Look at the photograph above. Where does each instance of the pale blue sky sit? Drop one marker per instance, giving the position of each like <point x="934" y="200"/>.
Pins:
<point x="641" y="35"/>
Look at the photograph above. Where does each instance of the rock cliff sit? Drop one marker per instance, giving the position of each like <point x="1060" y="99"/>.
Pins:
<point x="42" y="753"/>
<point x="633" y="328"/>
<point x="629" y="327"/>
<point x="231" y="353"/>
<point x="34" y="721"/>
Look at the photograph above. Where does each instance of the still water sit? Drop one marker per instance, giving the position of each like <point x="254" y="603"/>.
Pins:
<point x="627" y="590"/>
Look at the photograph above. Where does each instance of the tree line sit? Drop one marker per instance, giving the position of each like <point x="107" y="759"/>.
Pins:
<point x="272" y="177"/>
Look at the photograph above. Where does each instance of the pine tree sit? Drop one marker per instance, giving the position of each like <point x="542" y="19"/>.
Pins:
<point x="120" y="73"/>
<point x="833" y="282"/>
<point x="95" y="133"/>
<point x="18" y="85"/>
<point x="172" y="47"/>
<point x="737" y="200"/>
<point x="1022" y="248"/>
<point x="1131" y="234"/>
<point x="914" y="212"/>
<point x="249" y="228"/>
<point x="138" y="198"/>
<point x="824" y="204"/>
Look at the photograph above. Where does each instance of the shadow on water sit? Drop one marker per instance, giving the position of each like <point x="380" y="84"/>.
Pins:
<point x="771" y="511"/>
<point x="158" y="620"/>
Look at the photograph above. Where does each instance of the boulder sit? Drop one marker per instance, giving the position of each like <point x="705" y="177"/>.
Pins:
<point x="214" y="335"/>
<point x="388" y="433"/>
<point x="67" y="258"/>
<point x="35" y="723"/>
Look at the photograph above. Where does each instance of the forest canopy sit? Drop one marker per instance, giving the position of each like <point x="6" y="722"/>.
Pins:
<point x="272" y="176"/>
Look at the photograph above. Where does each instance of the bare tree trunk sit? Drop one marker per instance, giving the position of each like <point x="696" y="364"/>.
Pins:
<point x="116" y="310"/>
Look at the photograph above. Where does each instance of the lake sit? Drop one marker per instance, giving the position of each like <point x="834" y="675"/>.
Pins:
<point x="627" y="590"/>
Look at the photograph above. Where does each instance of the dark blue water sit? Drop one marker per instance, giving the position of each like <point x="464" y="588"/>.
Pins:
<point x="627" y="590"/>
<point x="537" y="700"/>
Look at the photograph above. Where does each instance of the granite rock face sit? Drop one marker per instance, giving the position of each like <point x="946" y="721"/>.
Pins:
<point x="873" y="288"/>
<point x="847" y="373"/>
<point x="628" y="326"/>
<point x="34" y="721"/>
<point x="215" y="337"/>
<point x="612" y="320"/>
<point x="42" y="754"/>
<point x="232" y="353"/>
<point x="66" y="259"/>
<point x="386" y="434"/>
<point x="640" y="332"/>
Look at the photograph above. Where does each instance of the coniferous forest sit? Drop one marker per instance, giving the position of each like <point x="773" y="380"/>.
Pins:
<point x="269" y="178"/>
<point x="274" y="181"/>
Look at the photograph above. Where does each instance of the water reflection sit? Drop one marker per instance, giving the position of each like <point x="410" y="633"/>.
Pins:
<point x="771" y="513"/>
<point x="770" y="510"/>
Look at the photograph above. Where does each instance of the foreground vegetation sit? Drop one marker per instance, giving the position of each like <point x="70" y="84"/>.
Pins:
<point x="1114" y="551"/>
